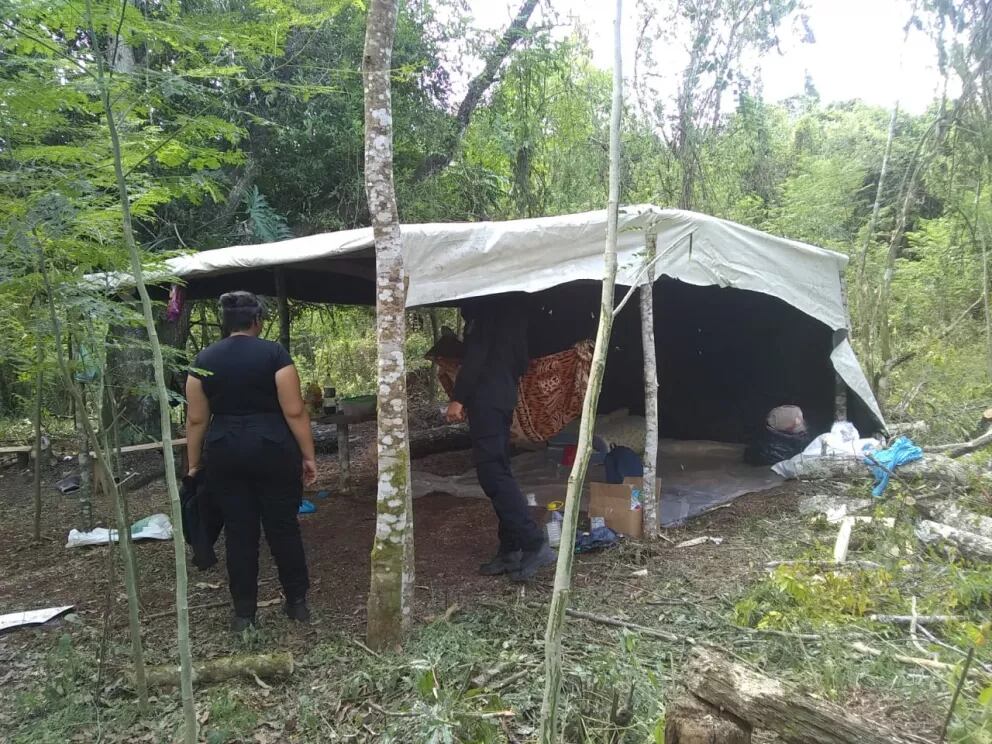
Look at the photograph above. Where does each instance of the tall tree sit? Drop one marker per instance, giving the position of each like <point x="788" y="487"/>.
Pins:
<point x="549" y="731"/>
<point x="391" y="587"/>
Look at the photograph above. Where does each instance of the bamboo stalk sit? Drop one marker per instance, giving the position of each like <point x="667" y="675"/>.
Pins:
<point x="549" y="725"/>
<point x="158" y="365"/>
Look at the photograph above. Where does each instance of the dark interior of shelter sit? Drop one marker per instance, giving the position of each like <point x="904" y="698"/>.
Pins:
<point x="725" y="356"/>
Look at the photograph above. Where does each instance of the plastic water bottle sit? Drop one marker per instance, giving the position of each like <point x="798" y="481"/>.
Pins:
<point x="554" y="524"/>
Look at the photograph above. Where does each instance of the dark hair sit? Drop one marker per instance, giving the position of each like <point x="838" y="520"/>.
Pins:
<point x="240" y="311"/>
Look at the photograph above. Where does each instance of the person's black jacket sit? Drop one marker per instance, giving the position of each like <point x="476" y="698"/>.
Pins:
<point x="495" y="352"/>
<point x="202" y="519"/>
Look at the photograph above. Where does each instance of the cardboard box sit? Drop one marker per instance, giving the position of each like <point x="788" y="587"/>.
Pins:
<point x="619" y="505"/>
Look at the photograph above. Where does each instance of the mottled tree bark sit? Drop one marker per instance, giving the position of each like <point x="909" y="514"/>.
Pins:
<point x="649" y="494"/>
<point x="549" y="727"/>
<point x="391" y="587"/>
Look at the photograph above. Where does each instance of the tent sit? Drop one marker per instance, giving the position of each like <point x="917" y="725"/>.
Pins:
<point x="744" y="320"/>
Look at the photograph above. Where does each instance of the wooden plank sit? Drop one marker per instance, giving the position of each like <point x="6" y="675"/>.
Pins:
<point x="147" y="446"/>
<point x="16" y="450"/>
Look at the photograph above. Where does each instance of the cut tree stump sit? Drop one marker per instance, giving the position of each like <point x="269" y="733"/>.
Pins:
<point x="766" y="703"/>
<point x="689" y="720"/>
<point x="262" y="666"/>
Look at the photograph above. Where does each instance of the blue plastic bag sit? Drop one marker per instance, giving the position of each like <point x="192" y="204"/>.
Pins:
<point x="899" y="453"/>
<point x="307" y="507"/>
<point x="622" y="462"/>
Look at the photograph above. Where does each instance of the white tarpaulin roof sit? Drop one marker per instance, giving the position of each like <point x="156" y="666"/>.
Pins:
<point x="451" y="261"/>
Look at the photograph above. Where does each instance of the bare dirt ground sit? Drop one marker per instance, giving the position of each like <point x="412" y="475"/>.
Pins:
<point x="684" y="588"/>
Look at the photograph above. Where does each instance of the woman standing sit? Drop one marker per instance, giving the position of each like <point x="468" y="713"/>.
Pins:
<point x="247" y="419"/>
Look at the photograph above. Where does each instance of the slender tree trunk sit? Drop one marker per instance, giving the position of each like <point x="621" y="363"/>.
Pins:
<point x="549" y="728"/>
<point x="652" y="504"/>
<point x="282" y="298"/>
<point x="90" y="439"/>
<point x="39" y="389"/>
<point x="85" y="492"/>
<point x="182" y="609"/>
<point x="391" y="587"/>
<point x="984" y="248"/>
<point x="862" y="288"/>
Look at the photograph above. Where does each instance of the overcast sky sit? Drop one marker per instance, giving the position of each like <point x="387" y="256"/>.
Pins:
<point x="859" y="45"/>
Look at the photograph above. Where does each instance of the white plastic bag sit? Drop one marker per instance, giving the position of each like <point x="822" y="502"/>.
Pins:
<point x="154" y="527"/>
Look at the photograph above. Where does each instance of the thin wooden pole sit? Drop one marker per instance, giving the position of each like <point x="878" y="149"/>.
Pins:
<point x="549" y="725"/>
<point x="649" y="494"/>
<point x="190" y="731"/>
<point x="39" y="388"/>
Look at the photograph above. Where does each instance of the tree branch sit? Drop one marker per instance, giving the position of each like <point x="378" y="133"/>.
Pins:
<point x="495" y="57"/>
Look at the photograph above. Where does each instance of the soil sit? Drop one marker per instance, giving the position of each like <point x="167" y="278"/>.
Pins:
<point x="453" y="535"/>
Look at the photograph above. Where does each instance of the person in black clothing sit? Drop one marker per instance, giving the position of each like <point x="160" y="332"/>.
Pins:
<point x="247" y="419"/>
<point x="486" y="390"/>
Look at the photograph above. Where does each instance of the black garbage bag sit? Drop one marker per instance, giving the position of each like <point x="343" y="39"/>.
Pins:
<point x="772" y="446"/>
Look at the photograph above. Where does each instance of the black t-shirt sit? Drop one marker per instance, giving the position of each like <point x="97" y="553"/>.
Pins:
<point x="242" y="375"/>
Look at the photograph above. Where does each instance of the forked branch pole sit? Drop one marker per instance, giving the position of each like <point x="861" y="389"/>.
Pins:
<point x="549" y="725"/>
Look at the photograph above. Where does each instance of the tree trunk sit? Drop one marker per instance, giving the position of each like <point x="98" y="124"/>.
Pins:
<point x="932" y="468"/>
<point x="689" y="720"/>
<point x="477" y="88"/>
<point x="652" y="506"/>
<point x="971" y="545"/>
<point x="158" y="365"/>
<point x="862" y="289"/>
<point x="766" y="703"/>
<point x="85" y="492"/>
<point x="391" y="586"/>
<point x="282" y="299"/>
<point x="90" y="439"/>
<point x="39" y="389"/>
<point x="549" y="728"/>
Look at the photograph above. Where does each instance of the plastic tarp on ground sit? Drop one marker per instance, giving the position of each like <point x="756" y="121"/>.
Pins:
<point x="452" y="261"/>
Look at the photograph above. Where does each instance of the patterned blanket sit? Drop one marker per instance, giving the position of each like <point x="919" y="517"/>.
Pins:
<point x="551" y="391"/>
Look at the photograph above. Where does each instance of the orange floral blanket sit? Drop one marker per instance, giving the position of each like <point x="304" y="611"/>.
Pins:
<point x="551" y="391"/>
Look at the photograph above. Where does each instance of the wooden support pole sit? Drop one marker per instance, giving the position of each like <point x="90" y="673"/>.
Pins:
<point x="344" y="457"/>
<point x="652" y="501"/>
<point x="282" y="298"/>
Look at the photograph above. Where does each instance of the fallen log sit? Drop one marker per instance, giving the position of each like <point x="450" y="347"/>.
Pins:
<point x="689" y="720"/>
<point x="962" y="448"/>
<point x="955" y="515"/>
<point x="971" y="546"/>
<point x="933" y="467"/>
<point x="262" y="666"/>
<point x="910" y="619"/>
<point x="767" y="703"/>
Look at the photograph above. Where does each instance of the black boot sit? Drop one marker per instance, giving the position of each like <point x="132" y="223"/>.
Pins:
<point x="240" y="624"/>
<point x="533" y="561"/>
<point x="297" y="610"/>
<point x="503" y="562"/>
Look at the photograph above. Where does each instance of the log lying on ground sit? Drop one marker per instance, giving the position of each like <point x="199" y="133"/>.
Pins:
<point x="955" y="515"/>
<point x="962" y="448"/>
<point x="968" y="544"/>
<point x="689" y="720"/>
<point x="262" y="666"/>
<point x="766" y="703"/>
<point x="422" y="443"/>
<point x="909" y="429"/>
<point x="932" y="467"/>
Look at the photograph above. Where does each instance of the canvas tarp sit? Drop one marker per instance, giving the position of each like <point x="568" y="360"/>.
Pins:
<point x="451" y="261"/>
